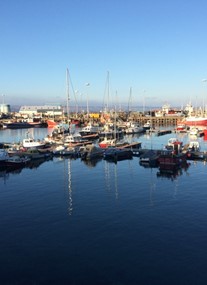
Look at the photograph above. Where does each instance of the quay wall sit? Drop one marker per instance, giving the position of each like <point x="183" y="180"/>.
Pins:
<point x="140" y="119"/>
<point x="159" y="121"/>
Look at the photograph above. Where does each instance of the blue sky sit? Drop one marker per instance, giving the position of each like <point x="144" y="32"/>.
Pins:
<point x="158" y="48"/>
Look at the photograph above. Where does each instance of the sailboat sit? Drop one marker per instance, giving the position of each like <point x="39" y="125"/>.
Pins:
<point x="132" y="127"/>
<point x="71" y="139"/>
<point x="110" y="137"/>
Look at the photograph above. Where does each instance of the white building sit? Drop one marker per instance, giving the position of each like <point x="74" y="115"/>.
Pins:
<point x="5" y="108"/>
<point x="47" y="110"/>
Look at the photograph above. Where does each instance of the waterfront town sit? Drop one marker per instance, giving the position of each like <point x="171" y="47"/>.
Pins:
<point x="103" y="142"/>
<point x="102" y="135"/>
<point x="163" y="116"/>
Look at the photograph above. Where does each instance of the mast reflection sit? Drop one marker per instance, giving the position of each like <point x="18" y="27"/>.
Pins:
<point x="68" y="184"/>
<point x="111" y="177"/>
<point x="70" y="200"/>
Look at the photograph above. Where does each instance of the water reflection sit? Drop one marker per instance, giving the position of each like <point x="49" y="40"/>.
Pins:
<point x="35" y="163"/>
<point x="70" y="199"/>
<point x="92" y="162"/>
<point x="115" y="182"/>
<point x="67" y="174"/>
<point x="172" y="175"/>
<point x="5" y="173"/>
<point x="111" y="177"/>
<point x="152" y="187"/>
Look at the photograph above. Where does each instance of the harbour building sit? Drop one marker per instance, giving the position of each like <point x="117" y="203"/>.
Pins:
<point x="5" y="109"/>
<point x="45" y="110"/>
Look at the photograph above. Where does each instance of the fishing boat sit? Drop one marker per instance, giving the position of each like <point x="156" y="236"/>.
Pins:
<point x="18" y="125"/>
<point x="147" y="125"/>
<point x="195" y="121"/>
<point x="14" y="149"/>
<point x="32" y="143"/>
<point x="34" y="153"/>
<point x="105" y="143"/>
<point x="90" y="152"/>
<point x="51" y="123"/>
<point x="169" y="161"/>
<point x="110" y="130"/>
<point x="75" y="139"/>
<point x="197" y="155"/>
<point x="133" y="128"/>
<point x="174" y="144"/>
<point x="17" y="161"/>
<point x="181" y="128"/>
<point x="58" y="149"/>
<point x="89" y="130"/>
<point x="37" y="124"/>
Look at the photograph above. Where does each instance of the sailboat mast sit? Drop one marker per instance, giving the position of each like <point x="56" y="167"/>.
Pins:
<point x="130" y="100"/>
<point x="68" y="97"/>
<point x="107" y="91"/>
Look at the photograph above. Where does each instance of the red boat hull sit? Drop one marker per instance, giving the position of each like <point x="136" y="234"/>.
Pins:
<point x="195" y="122"/>
<point x="51" y="123"/>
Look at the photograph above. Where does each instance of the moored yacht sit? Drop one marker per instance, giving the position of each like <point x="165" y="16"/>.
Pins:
<point x="147" y="125"/>
<point x="89" y="130"/>
<point x="31" y="143"/>
<point x="133" y="128"/>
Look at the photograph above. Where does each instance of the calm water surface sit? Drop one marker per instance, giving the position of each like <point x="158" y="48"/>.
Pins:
<point x="67" y="222"/>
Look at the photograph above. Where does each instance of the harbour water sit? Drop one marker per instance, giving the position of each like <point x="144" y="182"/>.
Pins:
<point x="67" y="222"/>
